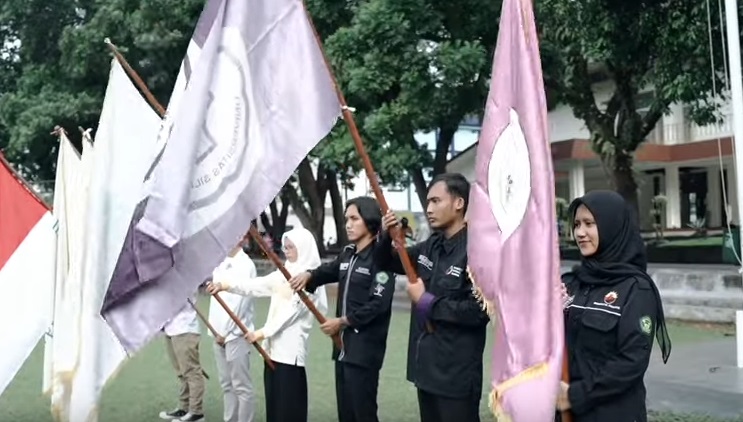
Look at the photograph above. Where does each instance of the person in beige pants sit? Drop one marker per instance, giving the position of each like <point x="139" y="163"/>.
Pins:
<point x="182" y="337"/>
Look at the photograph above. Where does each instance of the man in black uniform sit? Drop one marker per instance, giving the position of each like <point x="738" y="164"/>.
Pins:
<point x="363" y="311"/>
<point x="447" y="324"/>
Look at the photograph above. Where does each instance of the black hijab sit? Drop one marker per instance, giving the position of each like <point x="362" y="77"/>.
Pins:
<point x="621" y="251"/>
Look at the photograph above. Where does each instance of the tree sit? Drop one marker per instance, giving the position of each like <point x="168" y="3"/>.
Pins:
<point x="407" y="67"/>
<point x="60" y="65"/>
<point x="279" y="209"/>
<point x="56" y="74"/>
<point x="661" y="46"/>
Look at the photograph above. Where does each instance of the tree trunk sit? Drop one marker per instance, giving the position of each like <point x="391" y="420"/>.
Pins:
<point x="624" y="180"/>
<point x="275" y="225"/>
<point x="444" y="140"/>
<point x="338" y="209"/>
<point x="443" y="144"/>
<point x="421" y="189"/>
<point x="314" y="190"/>
<point x="279" y="216"/>
<point x="266" y="222"/>
<point x="306" y="217"/>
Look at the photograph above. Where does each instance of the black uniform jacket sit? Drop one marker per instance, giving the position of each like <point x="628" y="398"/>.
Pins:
<point x="447" y="361"/>
<point x="609" y="334"/>
<point x="365" y="299"/>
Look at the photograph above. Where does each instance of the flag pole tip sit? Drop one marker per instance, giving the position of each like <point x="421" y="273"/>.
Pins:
<point x="107" y="40"/>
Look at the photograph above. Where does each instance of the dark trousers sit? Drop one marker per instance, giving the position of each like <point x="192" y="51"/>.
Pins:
<point x="435" y="408"/>
<point x="286" y="393"/>
<point x="356" y="393"/>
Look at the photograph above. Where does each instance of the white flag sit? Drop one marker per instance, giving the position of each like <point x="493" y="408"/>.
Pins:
<point x="124" y="149"/>
<point x="260" y="97"/>
<point x="70" y="202"/>
<point x="68" y="176"/>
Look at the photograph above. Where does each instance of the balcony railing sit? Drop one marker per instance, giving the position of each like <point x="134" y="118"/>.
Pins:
<point x="686" y="132"/>
<point x="724" y="129"/>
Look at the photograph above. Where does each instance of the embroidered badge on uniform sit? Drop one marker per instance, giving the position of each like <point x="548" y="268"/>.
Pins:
<point x="610" y="298"/>
<point x="382" y="278"/>
<point x="646" y="324"/>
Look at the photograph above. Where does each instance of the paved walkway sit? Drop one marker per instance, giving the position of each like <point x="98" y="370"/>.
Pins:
<point x="699" y="378"/>
<point x="659" y="266"/>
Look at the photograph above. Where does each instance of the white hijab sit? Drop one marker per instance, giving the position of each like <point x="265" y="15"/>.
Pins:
<point x="308" y="257"/>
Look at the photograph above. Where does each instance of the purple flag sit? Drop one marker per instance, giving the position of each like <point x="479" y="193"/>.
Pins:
<point x="253" y="98"/>
<point x="513" y="251"/>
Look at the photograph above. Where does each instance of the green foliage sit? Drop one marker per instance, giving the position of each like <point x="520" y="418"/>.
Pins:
<point x="405" y="67"/>
<point x="57" y="68"/>
<point x="634" y="46"/>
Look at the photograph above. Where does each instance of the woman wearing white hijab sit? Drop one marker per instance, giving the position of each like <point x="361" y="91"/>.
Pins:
<point x="287" y="327"/>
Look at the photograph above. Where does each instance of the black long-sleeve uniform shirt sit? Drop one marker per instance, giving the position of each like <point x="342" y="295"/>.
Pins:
<point x="609" y="334"/>
<point x="448" y="361"/>
<point x="365" y="298"/>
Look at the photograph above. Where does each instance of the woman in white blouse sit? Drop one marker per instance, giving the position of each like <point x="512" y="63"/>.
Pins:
<point x="287" y="327"/>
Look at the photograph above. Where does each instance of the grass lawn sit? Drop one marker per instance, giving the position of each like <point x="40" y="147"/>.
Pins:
<point x="694" y="241"/>
<point x="147" y="384"/>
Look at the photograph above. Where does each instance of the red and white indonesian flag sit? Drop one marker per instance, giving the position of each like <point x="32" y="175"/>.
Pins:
<point x="27" y="257"/>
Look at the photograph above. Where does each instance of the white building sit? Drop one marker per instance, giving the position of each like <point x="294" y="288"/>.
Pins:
<point x="680" y="160"/>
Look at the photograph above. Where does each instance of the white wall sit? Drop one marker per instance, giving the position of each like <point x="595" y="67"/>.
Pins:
<point x="673" y="128"/>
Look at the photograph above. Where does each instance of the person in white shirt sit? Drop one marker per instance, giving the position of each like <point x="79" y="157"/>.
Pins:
<point x="287" y="327"/>
<point x="231" y="351"/>
<point x="182" y="336"/>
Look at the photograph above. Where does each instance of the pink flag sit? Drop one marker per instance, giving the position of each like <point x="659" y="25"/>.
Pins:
<point x="513" y="250"/>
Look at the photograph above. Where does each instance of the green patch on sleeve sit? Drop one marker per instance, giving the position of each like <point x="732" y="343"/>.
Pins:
<point x="646" y="324"/>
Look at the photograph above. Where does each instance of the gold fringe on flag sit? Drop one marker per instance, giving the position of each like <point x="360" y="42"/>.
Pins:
<point x="487" y="305"/>
<point x="495" y="398"/>
<point x="496" y="395"/>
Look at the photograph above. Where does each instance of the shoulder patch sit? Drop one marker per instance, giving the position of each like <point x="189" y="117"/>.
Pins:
<point x="382" y="277"/>
<point x="646" y="324"/>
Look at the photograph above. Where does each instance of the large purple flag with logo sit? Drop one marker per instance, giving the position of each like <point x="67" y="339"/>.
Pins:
<point x="513" y="252"/>
<point x="253" y="98"/>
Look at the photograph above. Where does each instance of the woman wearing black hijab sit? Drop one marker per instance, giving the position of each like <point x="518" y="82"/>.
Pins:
<point x="613" y="311"/>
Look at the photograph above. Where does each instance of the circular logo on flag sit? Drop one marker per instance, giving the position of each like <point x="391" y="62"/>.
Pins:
<point x="226" y="148"/>
<point x="509" y="177"/>
<point x="610" y="298"/>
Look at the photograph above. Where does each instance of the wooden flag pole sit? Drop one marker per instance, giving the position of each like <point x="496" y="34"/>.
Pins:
<point x="135" y="78"/>
<point x="565" y="416"/>
<point x="396" y="232"/>
<point x="244" y="329"/>
<point x="161" y="112"/>
<point x="204" y="319"/>
<point x="302" y="295"/>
